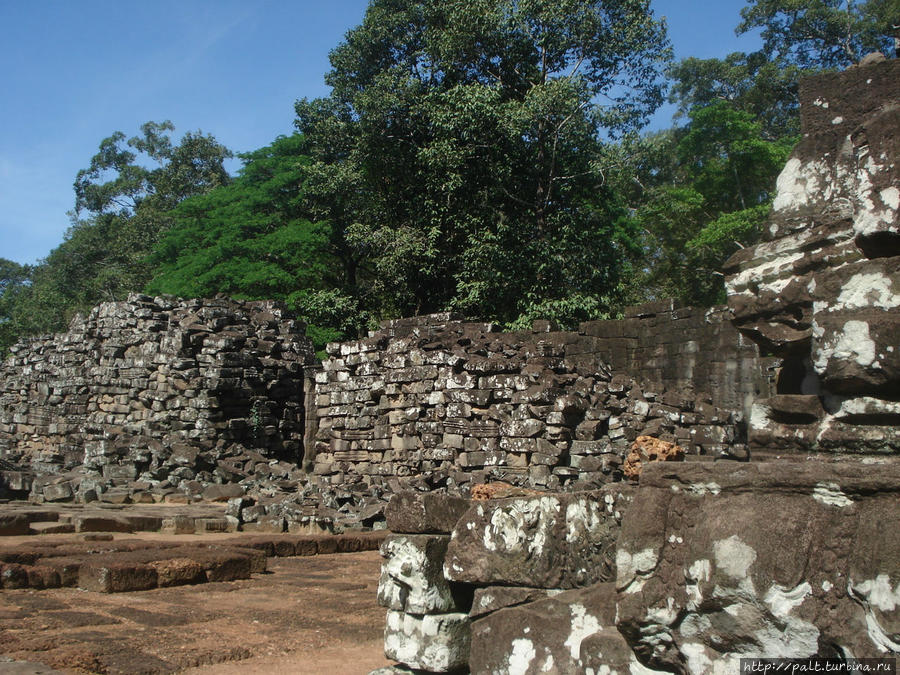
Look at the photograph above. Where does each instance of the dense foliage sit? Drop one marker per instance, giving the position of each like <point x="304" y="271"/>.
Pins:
<point x="458" y="152"/>
<point x="482" y="156"/>
<point x="123" y="202"/>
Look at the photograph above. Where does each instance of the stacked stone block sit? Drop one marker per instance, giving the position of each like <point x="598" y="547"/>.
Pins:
<point x="427" y="625"/>
<point x="155" y="392"/>
<point x="822" y="290"/>
<point x="437" y="402"/>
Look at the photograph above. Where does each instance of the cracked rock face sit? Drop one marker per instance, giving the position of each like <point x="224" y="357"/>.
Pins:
<point x="780" y="559"/>
<point x="822" y="291"/>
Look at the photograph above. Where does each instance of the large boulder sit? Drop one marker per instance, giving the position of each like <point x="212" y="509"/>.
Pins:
<point x="775" y="559"/>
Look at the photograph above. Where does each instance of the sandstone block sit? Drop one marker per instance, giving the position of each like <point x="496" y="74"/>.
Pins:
<point x="772" y="559"/>
<point x="550" y="541"/>
<point x="547" y="635"/>
<point x="437" y="643"/>
<point x="412" y="578"/>
<point x="424" y="512"/>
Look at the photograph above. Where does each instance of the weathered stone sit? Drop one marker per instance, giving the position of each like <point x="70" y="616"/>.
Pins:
<point x="437" y="643"/>
<point x="412" y="578"/>
<point x="552" y="541"/>
<point x="492" y="598"/>
<point x="549" y="635"/>
<point x="424" y="512"/>
<point x="822" y="290"/>
<point x="13" y="524"/>
<point x="116" y="577"/>
<point x="774" y="559"/>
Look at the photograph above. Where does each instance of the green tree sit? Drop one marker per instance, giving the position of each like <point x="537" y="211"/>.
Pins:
<point x="749" y="82"/>
<point x="458" y="154"/>
<point x="715" y="203"/>
<point x="14" y="282"/>
<point x="123" y="201"/>
<point x="253" y="239"/>
<point x="817" y="34"/>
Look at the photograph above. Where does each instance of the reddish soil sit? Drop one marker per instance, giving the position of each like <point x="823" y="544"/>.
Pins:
<point x="305" y="615"/>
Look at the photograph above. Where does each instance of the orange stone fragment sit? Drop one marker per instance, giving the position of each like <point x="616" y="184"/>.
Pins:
<point x="500" y="490"/>
<point x="649" y="449"/>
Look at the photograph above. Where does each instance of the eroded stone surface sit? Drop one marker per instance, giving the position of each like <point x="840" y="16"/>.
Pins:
<point x="774" y="559"/>
<point x="422" y="512"/>
<point x="437" y="643"/>
<point x="648" y="449"/>
<point x="822" y="291"/>
<point x="412" y="577"/>
<point x="552" y="541"/>
<point x="544" y="636"/>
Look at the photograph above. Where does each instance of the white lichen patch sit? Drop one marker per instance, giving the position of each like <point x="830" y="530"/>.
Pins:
<point x="830" y="494"/>
<point x="798" y="182"/>
<point x="632" y="569"/>
<point x="782" y="601"/>
<point x="877" y="594"/>
<point x="520" y="658"/>
<point x="523" y="525"/>
<point x="583" y="518"/>
<point x="871" y="289"/>
<point x="733" y="557"/>
<point x="701" y="489"/>
<point x="582" y="625"/>
<point x="891" y="197"/>
<point x="853" y="343"/>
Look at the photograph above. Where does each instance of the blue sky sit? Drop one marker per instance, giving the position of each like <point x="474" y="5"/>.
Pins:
<point x="73" y="72"/>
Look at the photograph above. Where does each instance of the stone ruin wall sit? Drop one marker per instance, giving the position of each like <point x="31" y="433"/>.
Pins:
<point x="794" y="554"/>
<point x="822" y="291"/>
<point x="438" y="402"/>
<point x="155" y="393"/>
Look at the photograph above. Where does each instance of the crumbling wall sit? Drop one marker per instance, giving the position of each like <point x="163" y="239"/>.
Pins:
<point x="163" y="392"/>
<point x="445" y="403"/>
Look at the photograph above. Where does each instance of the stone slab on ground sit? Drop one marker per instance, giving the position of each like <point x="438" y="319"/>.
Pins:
<point x="308" y="616"/>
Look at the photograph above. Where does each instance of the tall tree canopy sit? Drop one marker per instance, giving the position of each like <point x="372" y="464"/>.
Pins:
<point x="123" y="202"/>
<point x="458" y="152"/>
<point x="252" y="239"/>
<point x="823" y="33"/>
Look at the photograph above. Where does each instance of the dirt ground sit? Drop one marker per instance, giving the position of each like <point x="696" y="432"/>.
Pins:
<point x="310" y="615"/>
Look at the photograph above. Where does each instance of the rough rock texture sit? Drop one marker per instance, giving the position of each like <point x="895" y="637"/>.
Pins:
<point x="648" y="449"/>
<point x="434" y="643"/>
<point x="552" y="541"/>
<point x="412" y="577"/>
<point x="770" y="559"/>
<point x="823" y="289"/>
<point x="156" y="393"/>
<point x="424" y="512"/>
<point x="549" y="636"/>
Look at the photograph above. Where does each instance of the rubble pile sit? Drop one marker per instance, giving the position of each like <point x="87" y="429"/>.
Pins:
<point x="156" y="398"/>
